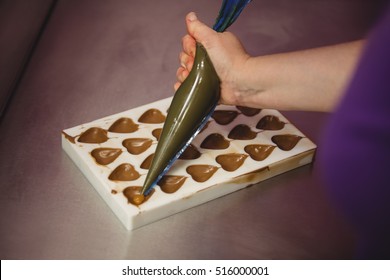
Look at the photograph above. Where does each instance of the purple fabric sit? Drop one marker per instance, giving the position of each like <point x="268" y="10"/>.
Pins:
<point x="355" y="153"/>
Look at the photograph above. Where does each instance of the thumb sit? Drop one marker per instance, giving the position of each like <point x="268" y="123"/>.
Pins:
<point x="200" y="31"/>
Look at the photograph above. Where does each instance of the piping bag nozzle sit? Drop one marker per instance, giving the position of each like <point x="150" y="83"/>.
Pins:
<point x="193" y="103"/>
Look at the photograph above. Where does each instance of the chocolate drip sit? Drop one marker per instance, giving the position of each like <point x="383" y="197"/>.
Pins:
<point x="191" y="152"/>
<point x="147" y="162"/>
<point x="136" y="146"/>
<point x="157" y="133"/>
<point x="286" y="142"/>
<point x="71" y="139"/>
<point x="224" y="117"/>
<point x="124" y="172"/>
<point x="249" y="112"/>
<point x="270" y="123"/>
<point x="93" y="135"/>
<point x="259" y="152"/>
<point x="134" y="196"/>
<point x="152" y="116"/>
<point x="242" y="132"/>
<point x="202" y="172"/>
<point x="170" y="183"/>
<point x="123" y="125"/>
<point x="105" y="156"/>
<point x="231" y="162"/>
<point x="215" y="141"/>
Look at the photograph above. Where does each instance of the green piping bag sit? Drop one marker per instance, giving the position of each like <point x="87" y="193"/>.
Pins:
<point x="192" y="105"/>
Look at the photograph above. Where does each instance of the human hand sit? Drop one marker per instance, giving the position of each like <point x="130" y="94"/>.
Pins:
<point x="225" y="51"/>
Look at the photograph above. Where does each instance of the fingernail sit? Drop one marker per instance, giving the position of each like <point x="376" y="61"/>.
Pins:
<point x="192" y="16"/>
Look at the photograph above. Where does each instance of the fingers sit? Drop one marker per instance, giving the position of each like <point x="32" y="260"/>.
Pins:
<point x="198" y="30"/>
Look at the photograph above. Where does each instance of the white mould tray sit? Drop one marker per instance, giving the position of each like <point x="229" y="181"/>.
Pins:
<point x="191" y="193"/>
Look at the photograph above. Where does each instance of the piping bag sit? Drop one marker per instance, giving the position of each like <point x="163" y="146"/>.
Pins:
<point x="192" y="105"/>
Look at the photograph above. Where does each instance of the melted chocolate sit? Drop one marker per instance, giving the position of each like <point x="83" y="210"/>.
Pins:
<point x="147" y="162"/>
<point x="123" y="125"/>
<point x="270" y="123"/>
<point x="215" y="141"/>
<point x="105" y="156"/>
<point x="250" y="112"/>
<point x="157" y="133"/>
<point x="134" y="195"/>
<point x="136" y="146"/>
<point x="286" y="142"/>
<point x="124" y="172"/>
<point x="152" y="116"/>
<point x="191" y="152"/>
<point x="231" y="162"/>
<point x="170" y="184"/>
<point x="242" y="132"/>
<point x="224" y="117"/>
<point x="259" y="152"/>
<point x="202" y="172"/>
<point x="93" y="135"/>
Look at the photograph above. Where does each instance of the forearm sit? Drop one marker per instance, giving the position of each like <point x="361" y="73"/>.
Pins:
<point x="311" y="80"/>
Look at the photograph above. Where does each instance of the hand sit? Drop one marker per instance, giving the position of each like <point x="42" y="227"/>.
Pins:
<point x="225" y="51"/>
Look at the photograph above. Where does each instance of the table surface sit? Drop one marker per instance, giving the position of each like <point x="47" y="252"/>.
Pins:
<point x="97" y="58"/>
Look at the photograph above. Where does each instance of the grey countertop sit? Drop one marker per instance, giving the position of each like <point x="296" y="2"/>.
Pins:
<point x="97" y="58"/>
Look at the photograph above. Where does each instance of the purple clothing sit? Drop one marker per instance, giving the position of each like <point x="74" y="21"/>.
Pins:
<point x="355" y="152"/>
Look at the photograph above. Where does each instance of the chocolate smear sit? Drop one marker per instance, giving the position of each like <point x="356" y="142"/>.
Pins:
<point x="123" y="125"/>
<point x="270" y="123"/>
<point x="124" y="172"/>
<point x="247" y="111"/>
<point x="242" y="132"/>
<point x="136" y="146"/>
<point x="93" y="135"/>
<point x="202" y="172"/>
<point x="105" y="156"/>
<point x="286" y="142"/>
<point x="224" y="117"/>
<point x="231" y="162"/>
<point x="215" y="141"/>
<point x="134" y="196"/>
<point x="259" y="152"/>
<point x="191" y="152"/>
<point x="171" y="183"/>
<point x="152" y="116"/>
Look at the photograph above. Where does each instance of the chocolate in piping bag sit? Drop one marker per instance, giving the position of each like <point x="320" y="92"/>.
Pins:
<point x="193" y="103"/>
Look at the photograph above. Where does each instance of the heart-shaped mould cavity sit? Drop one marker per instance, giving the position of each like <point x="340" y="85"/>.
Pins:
<point x="93" y="135"/>
<point x="201" y="172"/>
<point x="136" y="146"/>
<point x="231" y="162"/>
<point x="171" y="183"/>
<point x="215" y="141"/>
<point x="270" y="123"/>
<point x="242" y="132"/>
<point x="259" y="152"/>
<point x="152" y="116"/>
<point x="123" y="125"/>
<point x="286" y="142"/>
<point x="105" y="156"/>
<point x="224" y="117"/>
<point x="124" y="172"/>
